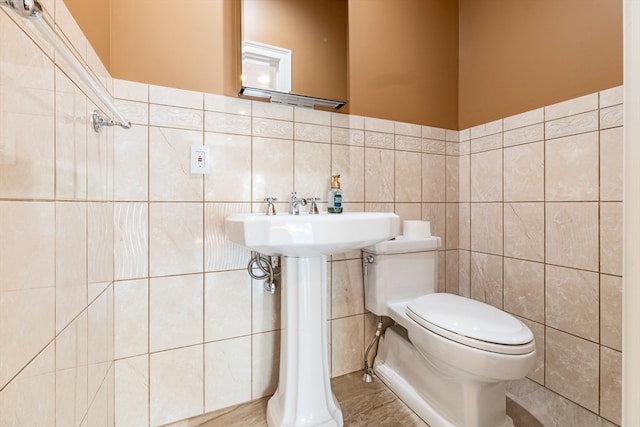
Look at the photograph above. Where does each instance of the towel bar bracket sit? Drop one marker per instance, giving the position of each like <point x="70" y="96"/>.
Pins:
<point x="99" y="122"/>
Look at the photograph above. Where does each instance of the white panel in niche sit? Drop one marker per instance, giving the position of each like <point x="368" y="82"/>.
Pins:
<point x="266" y="67"/>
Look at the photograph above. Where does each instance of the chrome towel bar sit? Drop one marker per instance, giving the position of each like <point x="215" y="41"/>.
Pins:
<point x="33" y="11"/>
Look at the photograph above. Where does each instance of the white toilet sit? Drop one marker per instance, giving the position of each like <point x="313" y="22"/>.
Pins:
<point x="447" y="357"/>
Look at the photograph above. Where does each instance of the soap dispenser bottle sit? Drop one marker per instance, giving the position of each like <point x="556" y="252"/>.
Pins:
<point x="334" y="199"/>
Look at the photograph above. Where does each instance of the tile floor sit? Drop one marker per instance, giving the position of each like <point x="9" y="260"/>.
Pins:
<point x="363" y="405"/>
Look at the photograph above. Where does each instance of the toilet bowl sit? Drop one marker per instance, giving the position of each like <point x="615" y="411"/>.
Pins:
<point x="447" y="357"/>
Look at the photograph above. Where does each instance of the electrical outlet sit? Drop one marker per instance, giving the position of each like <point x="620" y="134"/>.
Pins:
<point x="199" y="159"/>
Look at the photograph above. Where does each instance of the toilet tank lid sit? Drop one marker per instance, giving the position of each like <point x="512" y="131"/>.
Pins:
<point x="469" y="318"/>
<point x="401" y="245"/>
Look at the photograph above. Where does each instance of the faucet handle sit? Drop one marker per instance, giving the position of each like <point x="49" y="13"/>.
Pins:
<point x="271" y="209"/>
<point x="313" y="205"/>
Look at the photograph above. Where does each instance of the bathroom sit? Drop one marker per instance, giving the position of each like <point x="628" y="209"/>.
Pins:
<point x="121" y="302"/>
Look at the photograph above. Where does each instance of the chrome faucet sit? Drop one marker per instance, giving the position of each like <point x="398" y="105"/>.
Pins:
<point x="271" y="210"/>
<point x="294" y="204"/>
<point x="313" y="205"/>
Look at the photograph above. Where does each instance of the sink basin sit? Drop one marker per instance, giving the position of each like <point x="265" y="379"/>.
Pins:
<point x="308" y="235"/>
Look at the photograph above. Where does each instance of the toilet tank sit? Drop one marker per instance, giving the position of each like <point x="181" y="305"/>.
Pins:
<point x="399" y="270"/>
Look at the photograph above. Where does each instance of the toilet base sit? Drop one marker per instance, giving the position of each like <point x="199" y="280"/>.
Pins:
<point x="436" y="397"/>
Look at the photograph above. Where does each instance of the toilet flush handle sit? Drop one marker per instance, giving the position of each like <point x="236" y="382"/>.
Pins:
<point x="366" y="261"/>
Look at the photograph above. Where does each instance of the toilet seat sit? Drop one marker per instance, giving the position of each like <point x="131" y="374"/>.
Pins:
<point x="472" y="323"/>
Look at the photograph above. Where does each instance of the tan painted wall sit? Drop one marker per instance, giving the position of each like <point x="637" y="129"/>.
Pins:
<point x="94" y="19"/>
<point x="189" y="44"/>
<point x="519" y="55"/>
<point x="443" y="63"/>
<point x="403" y="58"/>
<point x="315" y="31"/>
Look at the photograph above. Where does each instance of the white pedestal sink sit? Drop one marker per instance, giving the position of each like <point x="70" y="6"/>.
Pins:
<point x="304" y="397"/>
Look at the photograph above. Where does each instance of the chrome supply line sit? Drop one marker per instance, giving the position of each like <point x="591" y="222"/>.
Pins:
<point x="32" y="10"/>
<point x="270" y="268"/>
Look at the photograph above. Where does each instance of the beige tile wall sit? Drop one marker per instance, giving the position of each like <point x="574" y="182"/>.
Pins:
<point x="540" y="237"/>
<point x="181" y="282"/>
<point x="56" y="236"/>
<point x="121" y="302"/>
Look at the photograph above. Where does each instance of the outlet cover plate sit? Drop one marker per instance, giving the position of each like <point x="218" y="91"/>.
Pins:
<point x="199" y="159"/>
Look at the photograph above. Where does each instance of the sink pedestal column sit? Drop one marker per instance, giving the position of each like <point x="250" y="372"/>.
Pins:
<point x="304" y="397"/>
